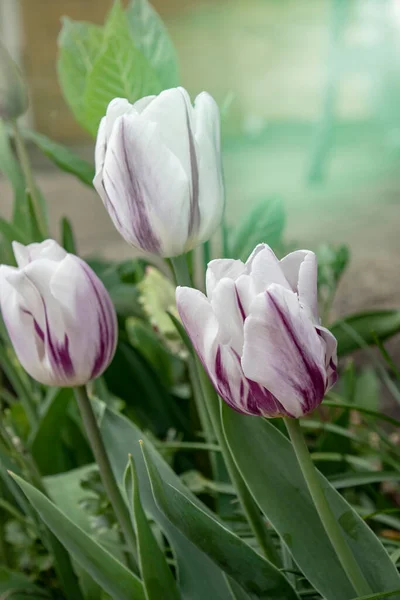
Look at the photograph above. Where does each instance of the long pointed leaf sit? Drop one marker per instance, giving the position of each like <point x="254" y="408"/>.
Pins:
<point x="257" y="576"/>
<point x="269" y="466"/>
<point x="114" y="577"/>
<point x="157" y="577"/>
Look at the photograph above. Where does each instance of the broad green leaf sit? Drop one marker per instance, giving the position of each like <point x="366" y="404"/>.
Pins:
<point x="258" y="577"/>
<point x="358" y="330"/>
<point x="62" y="156"/>
<point x="79" y="46"/>
<point x="66" y="492"/>
<point x="152" y="39"/>
<point x="51" y="421"/>
<point x="157" y="577"/>
<point x="269" y="466"/>
<point x="67" y="236"/>
<point x="16" y="586"/>
<point x="263" y="223"/>
<point x="198" y="577"/>
<point x="114" y="577"/>
<point x="121" y="71"/>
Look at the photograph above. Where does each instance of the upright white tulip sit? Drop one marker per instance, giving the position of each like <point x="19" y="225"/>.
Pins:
<point x="58" y="314"/>
<point x="158" y="170"/>
<point x="258" y="333"/>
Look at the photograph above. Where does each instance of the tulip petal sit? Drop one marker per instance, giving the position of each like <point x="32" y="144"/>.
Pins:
<point x="20" y="304"/>
<point x="146" y="199"/>
<point x="301" y="271"/>
<point x="331" y="355"/>
<point x="262" y="270"/>
<point x="47" y="249"/>
<point x="221" y="268"/>
<point x="229" y="313"/>
<point x="211" y="200"/>
<point x="283" y="351"/>
<point x="89" y="317"/>
<point x="172" y="111"/>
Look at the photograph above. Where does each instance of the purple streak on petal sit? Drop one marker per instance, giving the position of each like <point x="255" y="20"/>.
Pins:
<point x="106" y="323"/>
<point x="315" y="385"/>
<point x="139" y="220"/>
<point x="241" y="309"/>
<point x="194" y="214"/>
<point x="260" y="401"/>
<point x="36" y="325"/>
<point x="59" y="355"/>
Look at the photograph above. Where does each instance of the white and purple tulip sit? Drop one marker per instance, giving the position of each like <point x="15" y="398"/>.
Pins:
<point x="158" y="170"/>
<point x="258" y="333"/>
<point x="58" y="314"/>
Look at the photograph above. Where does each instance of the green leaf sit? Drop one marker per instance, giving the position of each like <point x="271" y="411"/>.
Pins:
<point x="98" y="64"/>
<point x="10" y="168"/>
<point x="51" y="421"/>
<point x="114" y="577"/>
<point x="12" y="233"/>
<point x="199" y="577"/>
<point x="264" y="223"/>
<point x="358" y="330"/>
<point x="379" y="596"/>
<point x="157" y="577"/>
<point x="152" y="39"/>
<point x="19" y="587"/>
<point x="346" y="480"/>
<point x="258" y="577"/>
<point x="62" y="156"/>
<point x="79" y="46"/>
<point x="121" y="71"/>
<point x="67" y="236"/>
<point x="269" y="466"/>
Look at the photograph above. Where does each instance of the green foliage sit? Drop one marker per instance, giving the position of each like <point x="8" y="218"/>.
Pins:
<point x="62" y="156"/>
<point x="251" y="438"/>
<point x="131" y="56"/>
<point x="157" y="577"/>
<point x="362" y="329"/>
<point x="114" y="577"/>
<point x="258" y="577"/>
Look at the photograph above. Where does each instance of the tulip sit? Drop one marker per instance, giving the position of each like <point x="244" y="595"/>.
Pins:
<point x="258" y="333"/>
<point x="158" y="170"/>
<point x="58" y="314"/>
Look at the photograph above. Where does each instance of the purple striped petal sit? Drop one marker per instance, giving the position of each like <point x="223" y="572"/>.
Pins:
<point x="283" y="351"/>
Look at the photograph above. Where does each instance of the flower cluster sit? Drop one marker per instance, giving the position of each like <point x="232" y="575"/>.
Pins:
<point x="158" y="172"/>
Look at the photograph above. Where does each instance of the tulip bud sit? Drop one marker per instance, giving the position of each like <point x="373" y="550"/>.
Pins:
<point x="158" y="170"/>
<point x="258" y="333"/>
<point x="13" y="95"/>
<point x="58" y="314"/>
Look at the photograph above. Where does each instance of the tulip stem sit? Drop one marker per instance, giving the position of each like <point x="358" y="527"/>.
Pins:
<point x="212" y="406"/>
<point x="250" y="508"/>
<point x="332" y="527"/>
<point x="106" y="473"/>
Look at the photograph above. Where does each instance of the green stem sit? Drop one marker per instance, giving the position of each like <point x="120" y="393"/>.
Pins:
<point x="332" y="528"/>
<point x="106" y="473"/>
<point x="18" y="384"/>
<point x="250" y="508"/>
<point x="32" y="189"/>
<point x="212" y="404"/>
